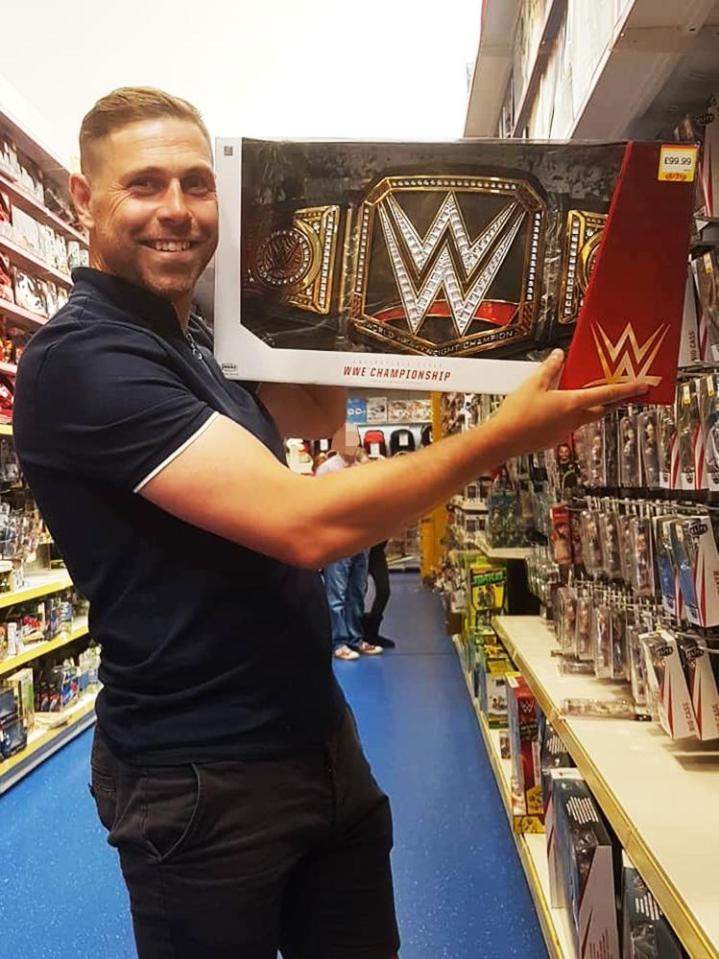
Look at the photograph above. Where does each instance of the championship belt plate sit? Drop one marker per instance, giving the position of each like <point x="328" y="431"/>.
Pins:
<point x="432" y="265"/>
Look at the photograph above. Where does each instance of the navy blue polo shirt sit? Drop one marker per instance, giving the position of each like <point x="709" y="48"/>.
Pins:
<point x="209" y="650"/>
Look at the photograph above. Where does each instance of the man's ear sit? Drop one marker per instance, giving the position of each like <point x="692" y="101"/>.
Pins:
<point x="80" y="192"/>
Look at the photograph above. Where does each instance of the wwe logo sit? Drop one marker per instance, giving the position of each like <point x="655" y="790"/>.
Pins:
<point x="480" y="258"/>
<point x="626" y="360"/>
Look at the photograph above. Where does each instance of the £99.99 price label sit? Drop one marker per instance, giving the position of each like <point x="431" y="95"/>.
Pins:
<point x="678" y="162"/>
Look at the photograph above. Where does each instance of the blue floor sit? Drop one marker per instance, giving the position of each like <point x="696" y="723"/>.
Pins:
<point x="460" y="889"/>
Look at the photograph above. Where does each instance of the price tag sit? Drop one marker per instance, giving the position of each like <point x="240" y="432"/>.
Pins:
<point x="403" y="439"/>
<point x="374" y="449"/>
<point x="677" y="163"/>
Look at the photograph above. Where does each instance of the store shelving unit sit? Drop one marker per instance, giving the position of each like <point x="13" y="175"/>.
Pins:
<point x="33" y="263"/>
<point x="671" y="839"/>
<point x="506" y="553"/>
<point x="531" y="847"/>
<point x="43" y="742"/>
<point x="36" y="650"/>
<point x="21" y="316"/>
<point x="638" y="49"/>
<point x="37" y="585"/>
<point x="30" y="204"/>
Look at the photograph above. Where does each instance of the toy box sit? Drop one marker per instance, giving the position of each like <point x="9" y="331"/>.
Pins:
<point x="646" y="933"/>
<point x="526" y="782"/>
<point x="581" y="861"/>
<point x="415" y="265"/>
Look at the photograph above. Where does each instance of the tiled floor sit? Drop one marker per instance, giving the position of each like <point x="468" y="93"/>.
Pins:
<point x="460" y="890"/>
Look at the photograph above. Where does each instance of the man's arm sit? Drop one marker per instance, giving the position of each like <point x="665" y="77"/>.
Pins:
<point x="310" y="412"/>
<point x="229" y="484"/>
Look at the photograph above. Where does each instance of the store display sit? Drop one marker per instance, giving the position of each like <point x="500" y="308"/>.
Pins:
<point x="582" y="862"/>
<point x="526" y="783"/>
<point x="646" y="934"/>
<point x="322" y="292"/>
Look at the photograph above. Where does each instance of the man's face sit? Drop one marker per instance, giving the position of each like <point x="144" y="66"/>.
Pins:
<point x="153" y="206"/>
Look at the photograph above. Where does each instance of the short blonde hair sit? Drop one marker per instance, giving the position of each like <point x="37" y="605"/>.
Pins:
<point x="130" y="105"/>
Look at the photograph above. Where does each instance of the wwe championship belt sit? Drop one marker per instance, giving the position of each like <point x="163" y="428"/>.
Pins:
<point x="434" y="264"/>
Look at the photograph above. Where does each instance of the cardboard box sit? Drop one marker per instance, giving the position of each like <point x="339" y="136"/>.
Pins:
<point x="415" y="265"/>
<point x="646" y="933"/>
<point x="22" y="684"/>
<point x="493" y="667"/>
<point x="526" y="782"/>
<point x="667" y="685"/>
<point x="582" y="861"/>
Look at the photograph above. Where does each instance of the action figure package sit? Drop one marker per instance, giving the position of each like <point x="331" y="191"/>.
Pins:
<point x="611" y="551"/>
<point x="643" y="568"/>
<point x="708" y="387"/>
<point x="582" y="860"/>
<point x="565" y="619"/>
<point x="602" y="640"/>
<point x="592" y="543"/>
<point x="689" y="349"/>
<point x="620" y="653"/>
<point x="561" y="539"/>
<point x="493" y="667"/>
<point x="554" y="755"/>
<point x="575" y="529"/>
<point x="697" y="558"/>
<point x="583" y="640"/>
<point x="667" y="685"/>
<point x="668" y="568"/>
<point x="635" y="633"/>
<point x="629" y="472"/>
<point x="646" y="933"/>
<point x="701" y="659"/>
<point x="526" y="781"/>
<point x="668" y="449"/>
<point x="706" y="274"/>
<point x="689" y="436"/>
<point x="405" y="265"/>
<point x="648" y="448"/>
<point x="487" y="593"/>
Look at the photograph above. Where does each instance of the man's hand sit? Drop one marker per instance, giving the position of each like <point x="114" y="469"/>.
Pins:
<point x="537" y="416"/>
<point x="309" y="412"/>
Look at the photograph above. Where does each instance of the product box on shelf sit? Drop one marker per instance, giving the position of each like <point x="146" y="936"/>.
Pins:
<point x="526" y="783"/>
<point x="23" y="686"/>
<point x="487" y="590"/>
<point x="582" y="862"/>
<point x="416" y="265"/>
<point x="646" y="933"/>
<point x="493" y="668"/>
<point x="701" y="662"/>
<point x="667" y="685"/>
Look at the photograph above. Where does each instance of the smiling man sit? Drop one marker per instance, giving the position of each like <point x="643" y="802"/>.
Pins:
<point x="226" y="764"/>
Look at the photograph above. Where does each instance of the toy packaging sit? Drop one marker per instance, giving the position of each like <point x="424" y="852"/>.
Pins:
<point x="582" y="859"/>
<point x="667" y="685"/>
<point x="646" y="933"/>
<point x="526" y="782"/>
<point x="414" y="265"/>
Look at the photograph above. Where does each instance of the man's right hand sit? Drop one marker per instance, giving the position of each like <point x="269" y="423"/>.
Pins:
<point x="537" y="416"/>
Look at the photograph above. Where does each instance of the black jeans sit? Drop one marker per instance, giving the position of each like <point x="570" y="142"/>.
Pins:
<point x="379" y="572"/>
<point x="235" y="860"/>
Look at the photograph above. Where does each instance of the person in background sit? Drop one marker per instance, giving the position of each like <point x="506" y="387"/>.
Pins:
<point x="346" y="585"/>
<point x="379" y="571"/>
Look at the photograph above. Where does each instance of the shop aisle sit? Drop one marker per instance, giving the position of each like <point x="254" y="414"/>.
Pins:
<point x="461" y="892"/>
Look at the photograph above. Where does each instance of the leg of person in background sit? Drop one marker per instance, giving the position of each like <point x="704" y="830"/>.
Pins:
<point x="379" y="572"/>
<point x="354" y="610"/>
<point x="337" y="577"/>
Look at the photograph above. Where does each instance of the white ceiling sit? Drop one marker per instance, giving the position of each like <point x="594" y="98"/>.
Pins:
<point x="375" y="68"/>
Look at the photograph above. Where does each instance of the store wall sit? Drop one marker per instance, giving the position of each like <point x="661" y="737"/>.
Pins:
<point x="278" y="68"/>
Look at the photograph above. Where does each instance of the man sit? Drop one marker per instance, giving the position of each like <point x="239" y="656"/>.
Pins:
<point x="226" y="764"/>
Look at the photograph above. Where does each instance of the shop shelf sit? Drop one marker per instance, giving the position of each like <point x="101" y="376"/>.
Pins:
<point x="33" y="263"/>
<point x="37" y="585"/>
<point x="531" y="847"/>
<point x="31" y="205"/>
<point x="552" y="18"/>
<point x="508" y="552"/>
<point x="657" y="794"/>
<point x="23" y="317"/>
<point x="42" y="743"/>
<point x="36" y="650"/>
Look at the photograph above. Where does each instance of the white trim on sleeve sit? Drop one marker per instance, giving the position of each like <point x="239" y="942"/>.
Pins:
<point x="175" y="454"/>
